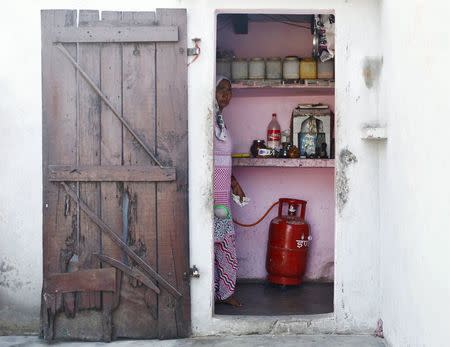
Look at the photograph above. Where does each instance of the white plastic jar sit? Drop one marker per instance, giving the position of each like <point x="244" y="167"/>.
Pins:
<point x="223" y="67"/>
<point x="239" y="69"/>
<point x="274" y="68"/>
<point x="291" y="68"/>
<point x="256" y="69"/>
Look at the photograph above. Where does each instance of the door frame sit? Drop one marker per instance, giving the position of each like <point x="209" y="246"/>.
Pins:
<point x="350" y="104"/>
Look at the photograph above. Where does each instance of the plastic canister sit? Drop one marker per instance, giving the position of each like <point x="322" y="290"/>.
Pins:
<point x="308" y="69"/>
<point x="291" y="68"/>
<point x="239" y="69"/>
<point x="223" y="67"/>
<point x="274" y="68"/>
<point x="256" y="69"/>
<point x="325" y="69"/>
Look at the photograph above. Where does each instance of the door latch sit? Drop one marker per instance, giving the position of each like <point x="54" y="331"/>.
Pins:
<point x="193" y="272"/>
<point x="196" y="49"/>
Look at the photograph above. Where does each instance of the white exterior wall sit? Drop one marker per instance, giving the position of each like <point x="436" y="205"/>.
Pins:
<point x="357" y="292"/>
<point x="414" y="173"/>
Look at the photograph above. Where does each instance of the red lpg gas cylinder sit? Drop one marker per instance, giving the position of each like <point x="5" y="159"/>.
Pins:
<point x="288" y="245"/>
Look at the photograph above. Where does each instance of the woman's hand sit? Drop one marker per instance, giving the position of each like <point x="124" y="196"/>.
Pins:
<point x="237" y="189"/>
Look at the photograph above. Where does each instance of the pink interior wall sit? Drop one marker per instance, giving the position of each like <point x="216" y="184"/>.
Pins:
<point x="266" y="39"/>
<point x="247" y="117"/>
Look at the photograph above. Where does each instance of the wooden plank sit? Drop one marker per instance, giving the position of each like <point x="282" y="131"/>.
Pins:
<point x="111" y="154"/>
<point x="89" y="154"/>
<point x="110" y="34"/>
<point x="139" y="110"/>
<point x="172" y="198"/>
<point x="110" y="173"/>
<point x="107" y="230"/>
<point x="59" y="109"/>
<point x="82" y="281"/>
<point x="141" y="18"/>
<point x="93" y="84"/>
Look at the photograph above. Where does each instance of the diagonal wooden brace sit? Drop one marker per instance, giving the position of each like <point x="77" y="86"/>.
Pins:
<point x="116" y="239"/>
<point x="108" y="103"/>
<point x="130" y="271"/>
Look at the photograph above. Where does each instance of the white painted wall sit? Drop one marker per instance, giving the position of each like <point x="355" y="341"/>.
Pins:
<point x="414" y="173"/>
<point x="357" y="295"/>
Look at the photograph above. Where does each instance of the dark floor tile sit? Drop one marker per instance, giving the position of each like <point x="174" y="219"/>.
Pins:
<point x="265" y="299"/>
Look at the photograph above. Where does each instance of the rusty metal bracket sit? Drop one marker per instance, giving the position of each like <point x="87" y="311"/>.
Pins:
<point x="193" y="51"/>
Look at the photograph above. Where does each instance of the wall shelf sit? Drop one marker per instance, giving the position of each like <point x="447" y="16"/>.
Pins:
<point x="275" y="162"/>
<point x="375" y="133"/>
<point x="278" y="87"/>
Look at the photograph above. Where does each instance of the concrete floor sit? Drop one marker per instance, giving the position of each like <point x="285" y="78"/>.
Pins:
<point x="219" y="341"/>
<point x="264" y="299"/>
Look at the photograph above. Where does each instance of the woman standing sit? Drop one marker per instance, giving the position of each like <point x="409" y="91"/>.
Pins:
<point x="225" y="260"/>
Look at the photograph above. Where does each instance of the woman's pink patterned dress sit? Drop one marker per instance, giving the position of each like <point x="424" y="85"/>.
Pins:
<point x="225" y="259"/>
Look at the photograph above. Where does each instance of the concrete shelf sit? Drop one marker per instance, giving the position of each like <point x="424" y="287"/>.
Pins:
<point x="278" y="87"/>
<point x="275" y="162"/>
<point x="374" y="133"/>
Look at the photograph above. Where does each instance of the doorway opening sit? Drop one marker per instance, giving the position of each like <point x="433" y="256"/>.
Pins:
<point x="281" y="64"/>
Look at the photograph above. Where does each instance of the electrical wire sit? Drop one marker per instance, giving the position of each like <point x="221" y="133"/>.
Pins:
<point x="287" y="22"/>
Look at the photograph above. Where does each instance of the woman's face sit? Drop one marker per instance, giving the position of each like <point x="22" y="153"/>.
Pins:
<point x="223" y="94"/>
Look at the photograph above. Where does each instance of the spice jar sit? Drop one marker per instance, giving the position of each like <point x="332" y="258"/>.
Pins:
<point x="257" y="144"/>
<point x="291" y="68"/>
<point x="239" y="69"/>
<point x="274" y="68"/>
<point x="256" y="69"/>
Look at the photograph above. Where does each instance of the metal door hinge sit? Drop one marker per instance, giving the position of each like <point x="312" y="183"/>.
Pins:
<point x="194" y="50"/>
<point x="193" y="272"/>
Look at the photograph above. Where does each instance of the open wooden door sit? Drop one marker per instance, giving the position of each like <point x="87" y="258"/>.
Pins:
<point x="115" y="154"/>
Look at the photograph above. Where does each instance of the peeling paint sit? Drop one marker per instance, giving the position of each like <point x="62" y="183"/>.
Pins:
<point x="346" y="158"/>
<point x="10" y="277"/>
<point x="5" y="267"/>
<point x="207" y="191"/>
<point x="372" y="70"/>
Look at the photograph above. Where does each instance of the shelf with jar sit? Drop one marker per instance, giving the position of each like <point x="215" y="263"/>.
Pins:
<point x="269" y="76"/>
<point x="282" y="88"/>
<point x="308" y="143"/>
<point x="283" y="162"/>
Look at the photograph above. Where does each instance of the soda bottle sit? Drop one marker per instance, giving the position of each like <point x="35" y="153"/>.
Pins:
<point x="274" y="133"/>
